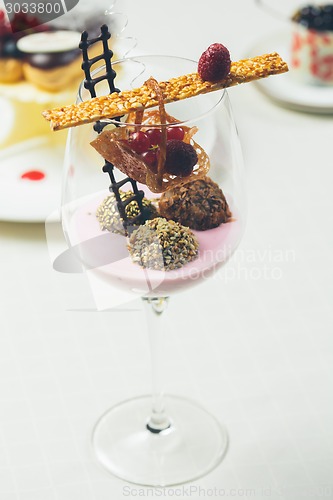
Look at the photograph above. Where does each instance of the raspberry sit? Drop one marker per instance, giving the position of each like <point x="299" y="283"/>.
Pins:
<point x="180" y="158"/>
<point x="214" y="63"/>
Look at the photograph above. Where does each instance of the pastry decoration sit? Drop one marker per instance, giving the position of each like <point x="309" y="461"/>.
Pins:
<point x="175" y="89"/>
<point x="135" y="197"/>
<point x="171" y="162"/>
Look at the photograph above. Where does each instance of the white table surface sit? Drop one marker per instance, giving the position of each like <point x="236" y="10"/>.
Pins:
<point x="253" y="344"/>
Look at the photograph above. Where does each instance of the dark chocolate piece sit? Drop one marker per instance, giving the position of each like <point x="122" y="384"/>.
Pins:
<point x="109" y="75"/>
<point x="90" y="84"/>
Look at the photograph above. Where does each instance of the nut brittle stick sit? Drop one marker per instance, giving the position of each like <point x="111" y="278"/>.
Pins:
<point x="182" y="87"/>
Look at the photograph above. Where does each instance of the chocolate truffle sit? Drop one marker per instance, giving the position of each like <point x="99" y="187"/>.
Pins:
<point x="162" y="245"/>
<point x="199" y="204"/>
<point x="108" y="214"/>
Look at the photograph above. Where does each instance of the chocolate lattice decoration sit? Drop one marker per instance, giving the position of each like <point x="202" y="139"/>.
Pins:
<point x="109" y="75"/>
<point x="90" y="83"/>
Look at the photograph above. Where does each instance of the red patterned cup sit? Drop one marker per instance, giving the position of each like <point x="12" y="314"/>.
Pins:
<point x="312" y="55"/>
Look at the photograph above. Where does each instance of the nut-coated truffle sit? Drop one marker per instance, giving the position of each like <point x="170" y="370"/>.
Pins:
<point x="199" y="205"/>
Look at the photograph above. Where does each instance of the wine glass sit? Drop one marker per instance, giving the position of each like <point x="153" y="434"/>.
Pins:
<point x="157" y="440"/>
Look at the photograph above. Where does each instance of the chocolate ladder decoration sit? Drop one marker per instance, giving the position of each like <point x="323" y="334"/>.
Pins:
<point x="90" y="84"/>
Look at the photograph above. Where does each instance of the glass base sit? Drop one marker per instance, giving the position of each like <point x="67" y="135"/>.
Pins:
<point x="193" y="445"/>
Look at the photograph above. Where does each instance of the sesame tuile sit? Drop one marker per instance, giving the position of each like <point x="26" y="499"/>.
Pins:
<point x="182" y="87"/>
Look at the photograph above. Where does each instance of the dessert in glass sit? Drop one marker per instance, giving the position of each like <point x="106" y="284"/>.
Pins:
<point x="173" y="215"/>
<point x="159" y="441"/>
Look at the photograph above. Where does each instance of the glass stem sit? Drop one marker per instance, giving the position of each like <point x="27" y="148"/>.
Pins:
<point x="155" y="308"/>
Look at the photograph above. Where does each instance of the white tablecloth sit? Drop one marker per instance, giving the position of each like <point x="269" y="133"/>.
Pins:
<point x="253" y="344"/>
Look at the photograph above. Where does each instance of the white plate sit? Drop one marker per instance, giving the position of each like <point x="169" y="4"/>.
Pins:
<point x="284" y="88"/>
<point x="23" y="199"/>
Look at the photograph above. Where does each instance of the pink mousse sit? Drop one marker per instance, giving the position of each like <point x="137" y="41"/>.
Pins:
<point x="110" y="259"/>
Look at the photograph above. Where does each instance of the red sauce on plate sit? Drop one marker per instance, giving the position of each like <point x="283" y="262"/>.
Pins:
<point x="33" y="175"/>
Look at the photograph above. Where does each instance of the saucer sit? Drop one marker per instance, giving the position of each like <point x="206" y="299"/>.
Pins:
<point x="30" y="180"/>
<point x="285" y="89"/>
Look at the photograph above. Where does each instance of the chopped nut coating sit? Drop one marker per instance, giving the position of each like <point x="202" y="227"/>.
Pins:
<point x="175" y="89"/>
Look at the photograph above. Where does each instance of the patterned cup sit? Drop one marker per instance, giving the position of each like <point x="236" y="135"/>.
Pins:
<point x="312" y="55"/>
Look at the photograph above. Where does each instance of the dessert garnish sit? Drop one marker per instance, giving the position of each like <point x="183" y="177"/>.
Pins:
<point x="135" y="197"/>
<point x="162" y="245"/>
<point x="214" y="64"/>
<point x="175" y="89"/>
<point x="180" y="158"/>
<point x="90" y="58"/>
<point x="108" y="214"/>
<point x="166" y="164"/>
<point x="199" y="204"/>
<point x="315" y="17"/>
